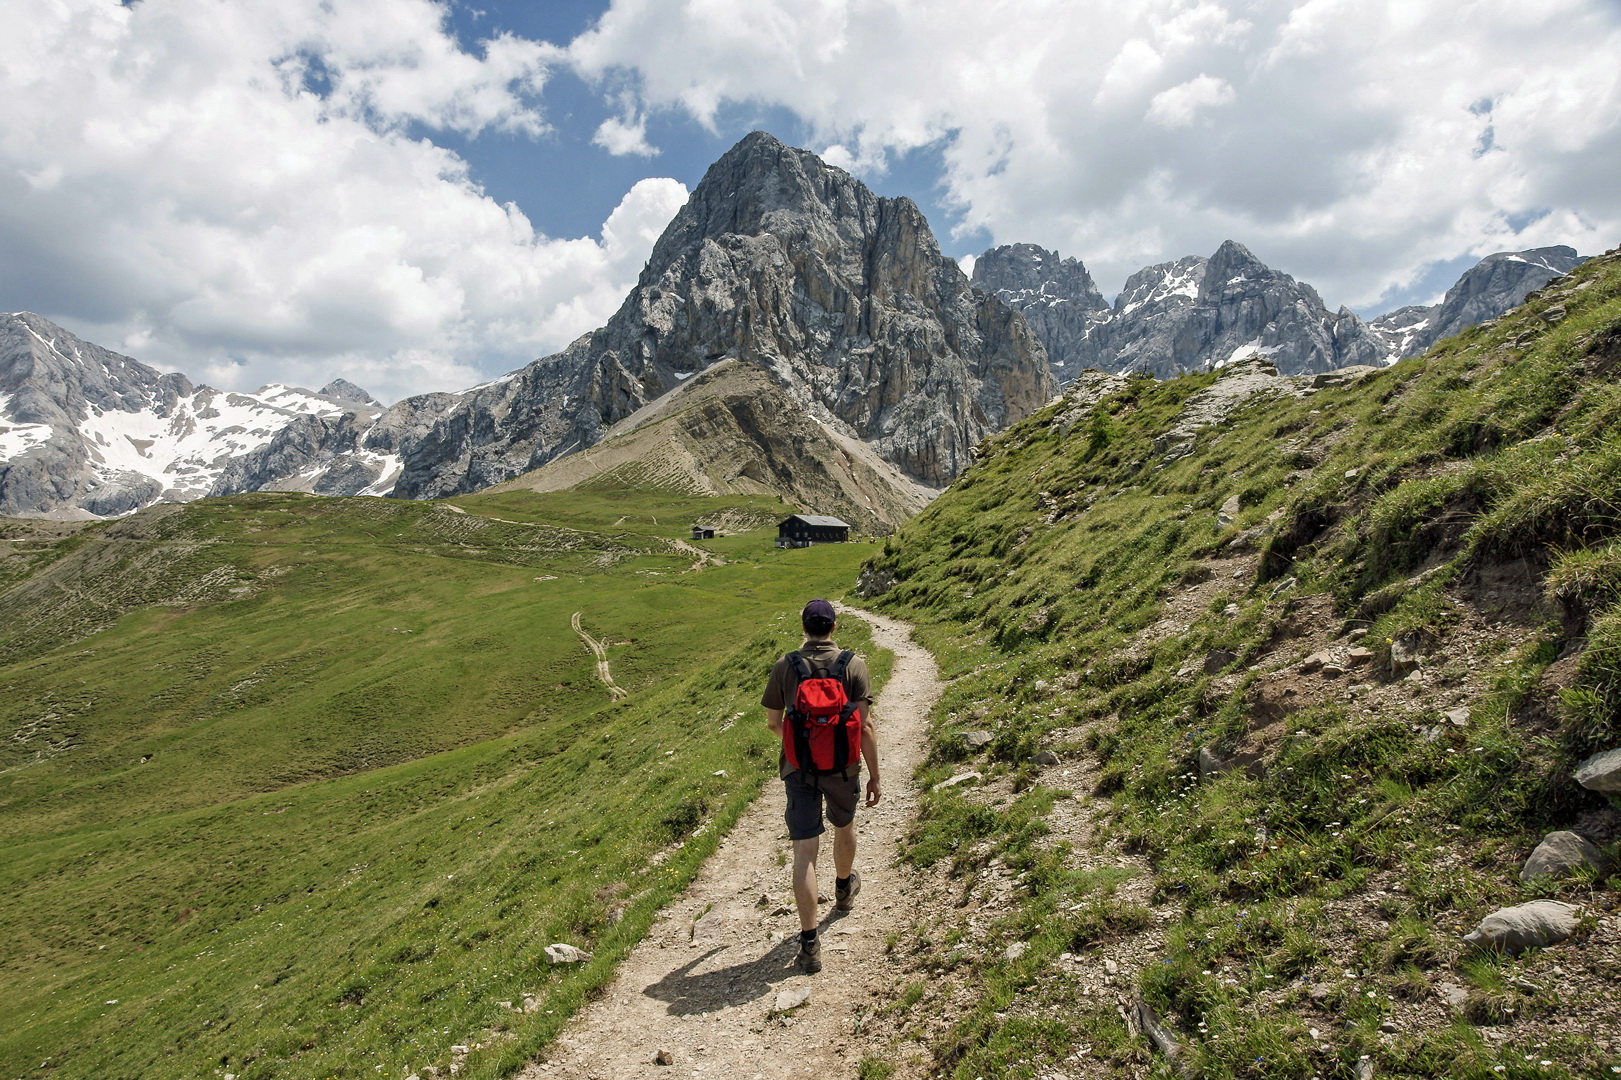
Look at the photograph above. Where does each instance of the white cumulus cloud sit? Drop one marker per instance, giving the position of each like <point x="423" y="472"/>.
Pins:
<point x="243" y="192"/>
<point x="621" y="136"/>
<point x="1178" y="106"/>
<point x="1352" y="144"/>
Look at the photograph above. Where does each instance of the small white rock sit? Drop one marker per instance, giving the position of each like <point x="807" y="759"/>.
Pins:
<point x="561" y="953"/>
<point x="791" y="998"/>
<point x="960" y="778"/>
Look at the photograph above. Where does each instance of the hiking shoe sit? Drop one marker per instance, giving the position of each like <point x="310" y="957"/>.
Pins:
<point x="809" y="959"/>
<point x="845" y="899"/>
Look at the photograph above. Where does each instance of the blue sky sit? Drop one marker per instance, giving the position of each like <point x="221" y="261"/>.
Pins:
<point x="568" y="185"/>
<point x="421" y="194"/>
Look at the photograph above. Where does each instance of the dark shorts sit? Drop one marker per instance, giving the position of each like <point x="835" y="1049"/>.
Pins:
<point x="805" y="796"/>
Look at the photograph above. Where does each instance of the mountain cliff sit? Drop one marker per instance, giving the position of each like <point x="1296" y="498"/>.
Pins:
<point x="1486" y="290"/>
<point x="1197" y="314"/>
<point x="781" y="261"/>
<point x="1056" y="296"/>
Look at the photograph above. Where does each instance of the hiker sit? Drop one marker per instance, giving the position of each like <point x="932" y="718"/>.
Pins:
<point x="826" y="697"/>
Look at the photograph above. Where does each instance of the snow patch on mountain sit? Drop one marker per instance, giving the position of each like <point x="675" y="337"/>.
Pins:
<point x="85" y="431"/>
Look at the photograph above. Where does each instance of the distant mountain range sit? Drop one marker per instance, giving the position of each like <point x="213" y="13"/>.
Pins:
<point x="87" y="432"/>
<point x="861" y="367"/>
<point x="1196" y="314"/>
<point x="888" y="368"/>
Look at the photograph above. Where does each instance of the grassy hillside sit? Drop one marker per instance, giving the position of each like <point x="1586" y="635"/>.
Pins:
<point x="302" y="787"/>
<point x="1322" y="669"/>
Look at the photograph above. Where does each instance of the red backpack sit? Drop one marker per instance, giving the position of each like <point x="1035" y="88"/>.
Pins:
<point x="823" y="732"/>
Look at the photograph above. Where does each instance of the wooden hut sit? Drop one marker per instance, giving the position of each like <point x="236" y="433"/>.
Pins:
<point x="803" y="530"/>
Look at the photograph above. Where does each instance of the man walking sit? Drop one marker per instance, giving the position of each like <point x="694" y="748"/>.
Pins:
<point x="818" y="697"/>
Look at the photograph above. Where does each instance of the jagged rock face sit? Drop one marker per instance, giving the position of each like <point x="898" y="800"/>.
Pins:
<point x="1056" y="296"/>
<point x="782" y="261"/>
<point x="87" y="432"/>
<point x="1486" y="290"/>
<point x="1196" y="314"/>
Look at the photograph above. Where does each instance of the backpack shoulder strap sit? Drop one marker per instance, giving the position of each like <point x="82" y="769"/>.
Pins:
<point x="797" y="662"/>
<point x="836" y="671"/>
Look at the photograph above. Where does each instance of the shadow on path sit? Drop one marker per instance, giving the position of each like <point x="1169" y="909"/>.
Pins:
<point x="734" y="985"/>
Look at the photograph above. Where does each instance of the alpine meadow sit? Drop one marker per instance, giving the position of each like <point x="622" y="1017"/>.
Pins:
<point x="199" y="877"/>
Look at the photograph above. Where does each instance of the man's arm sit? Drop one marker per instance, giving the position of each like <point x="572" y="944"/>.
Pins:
<point x="773" y="720"/>
<point x="869" y="751"/>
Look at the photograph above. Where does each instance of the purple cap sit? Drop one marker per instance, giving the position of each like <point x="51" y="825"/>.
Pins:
<point x="817" y="609"/>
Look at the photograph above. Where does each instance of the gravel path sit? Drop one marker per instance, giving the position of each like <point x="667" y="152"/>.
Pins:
<point x="705" y="984"/>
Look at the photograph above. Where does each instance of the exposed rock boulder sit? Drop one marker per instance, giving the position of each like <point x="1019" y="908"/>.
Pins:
<point x="1560" y="853"/>
<point x="1528" y="926"/>
<point x="1601" y="772"/>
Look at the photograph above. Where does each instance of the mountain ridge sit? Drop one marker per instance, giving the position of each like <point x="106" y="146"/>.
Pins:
<point x="1196" y="313"/>
<point x="85" y="431"/>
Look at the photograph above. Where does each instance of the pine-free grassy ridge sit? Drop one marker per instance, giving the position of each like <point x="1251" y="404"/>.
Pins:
<point x="1032" y="578"/>
<point x="330" y="823"/>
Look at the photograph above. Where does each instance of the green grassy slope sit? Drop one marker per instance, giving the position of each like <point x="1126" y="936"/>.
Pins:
<point x="324" y="811"/>
<point x="1465" y="505"/>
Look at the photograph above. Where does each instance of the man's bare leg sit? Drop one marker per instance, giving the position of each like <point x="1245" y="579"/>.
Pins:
<point x="844" y="849"/>
<point x="805" y="876"/>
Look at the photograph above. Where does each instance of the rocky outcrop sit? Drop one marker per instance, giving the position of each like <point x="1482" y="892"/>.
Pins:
<point x="781" y="261"/>
<point x="1488" y="289"/>
<point x="1056" y="296"/>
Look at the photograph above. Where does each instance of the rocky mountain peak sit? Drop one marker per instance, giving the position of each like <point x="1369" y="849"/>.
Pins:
<point x="1033" y="271"/>
<point x="779" y="260"/>
<point x="1234" y="268"/>
<point x="1492" y="286"/>
<point x="1056" y="296"/>
<point x="1198" y="313"/>
<point x="347" y="393"/>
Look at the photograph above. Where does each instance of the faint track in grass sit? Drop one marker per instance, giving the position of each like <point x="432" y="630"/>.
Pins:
<point x="600" y="651"/>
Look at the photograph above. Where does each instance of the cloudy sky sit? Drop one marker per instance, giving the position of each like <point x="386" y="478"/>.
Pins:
<point x="419" y="195"/>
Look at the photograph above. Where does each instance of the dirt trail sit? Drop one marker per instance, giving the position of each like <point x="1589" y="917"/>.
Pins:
<point x="600" y="651"/>
<point x="705" y="558"/>
<point x="704" y="983"/>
